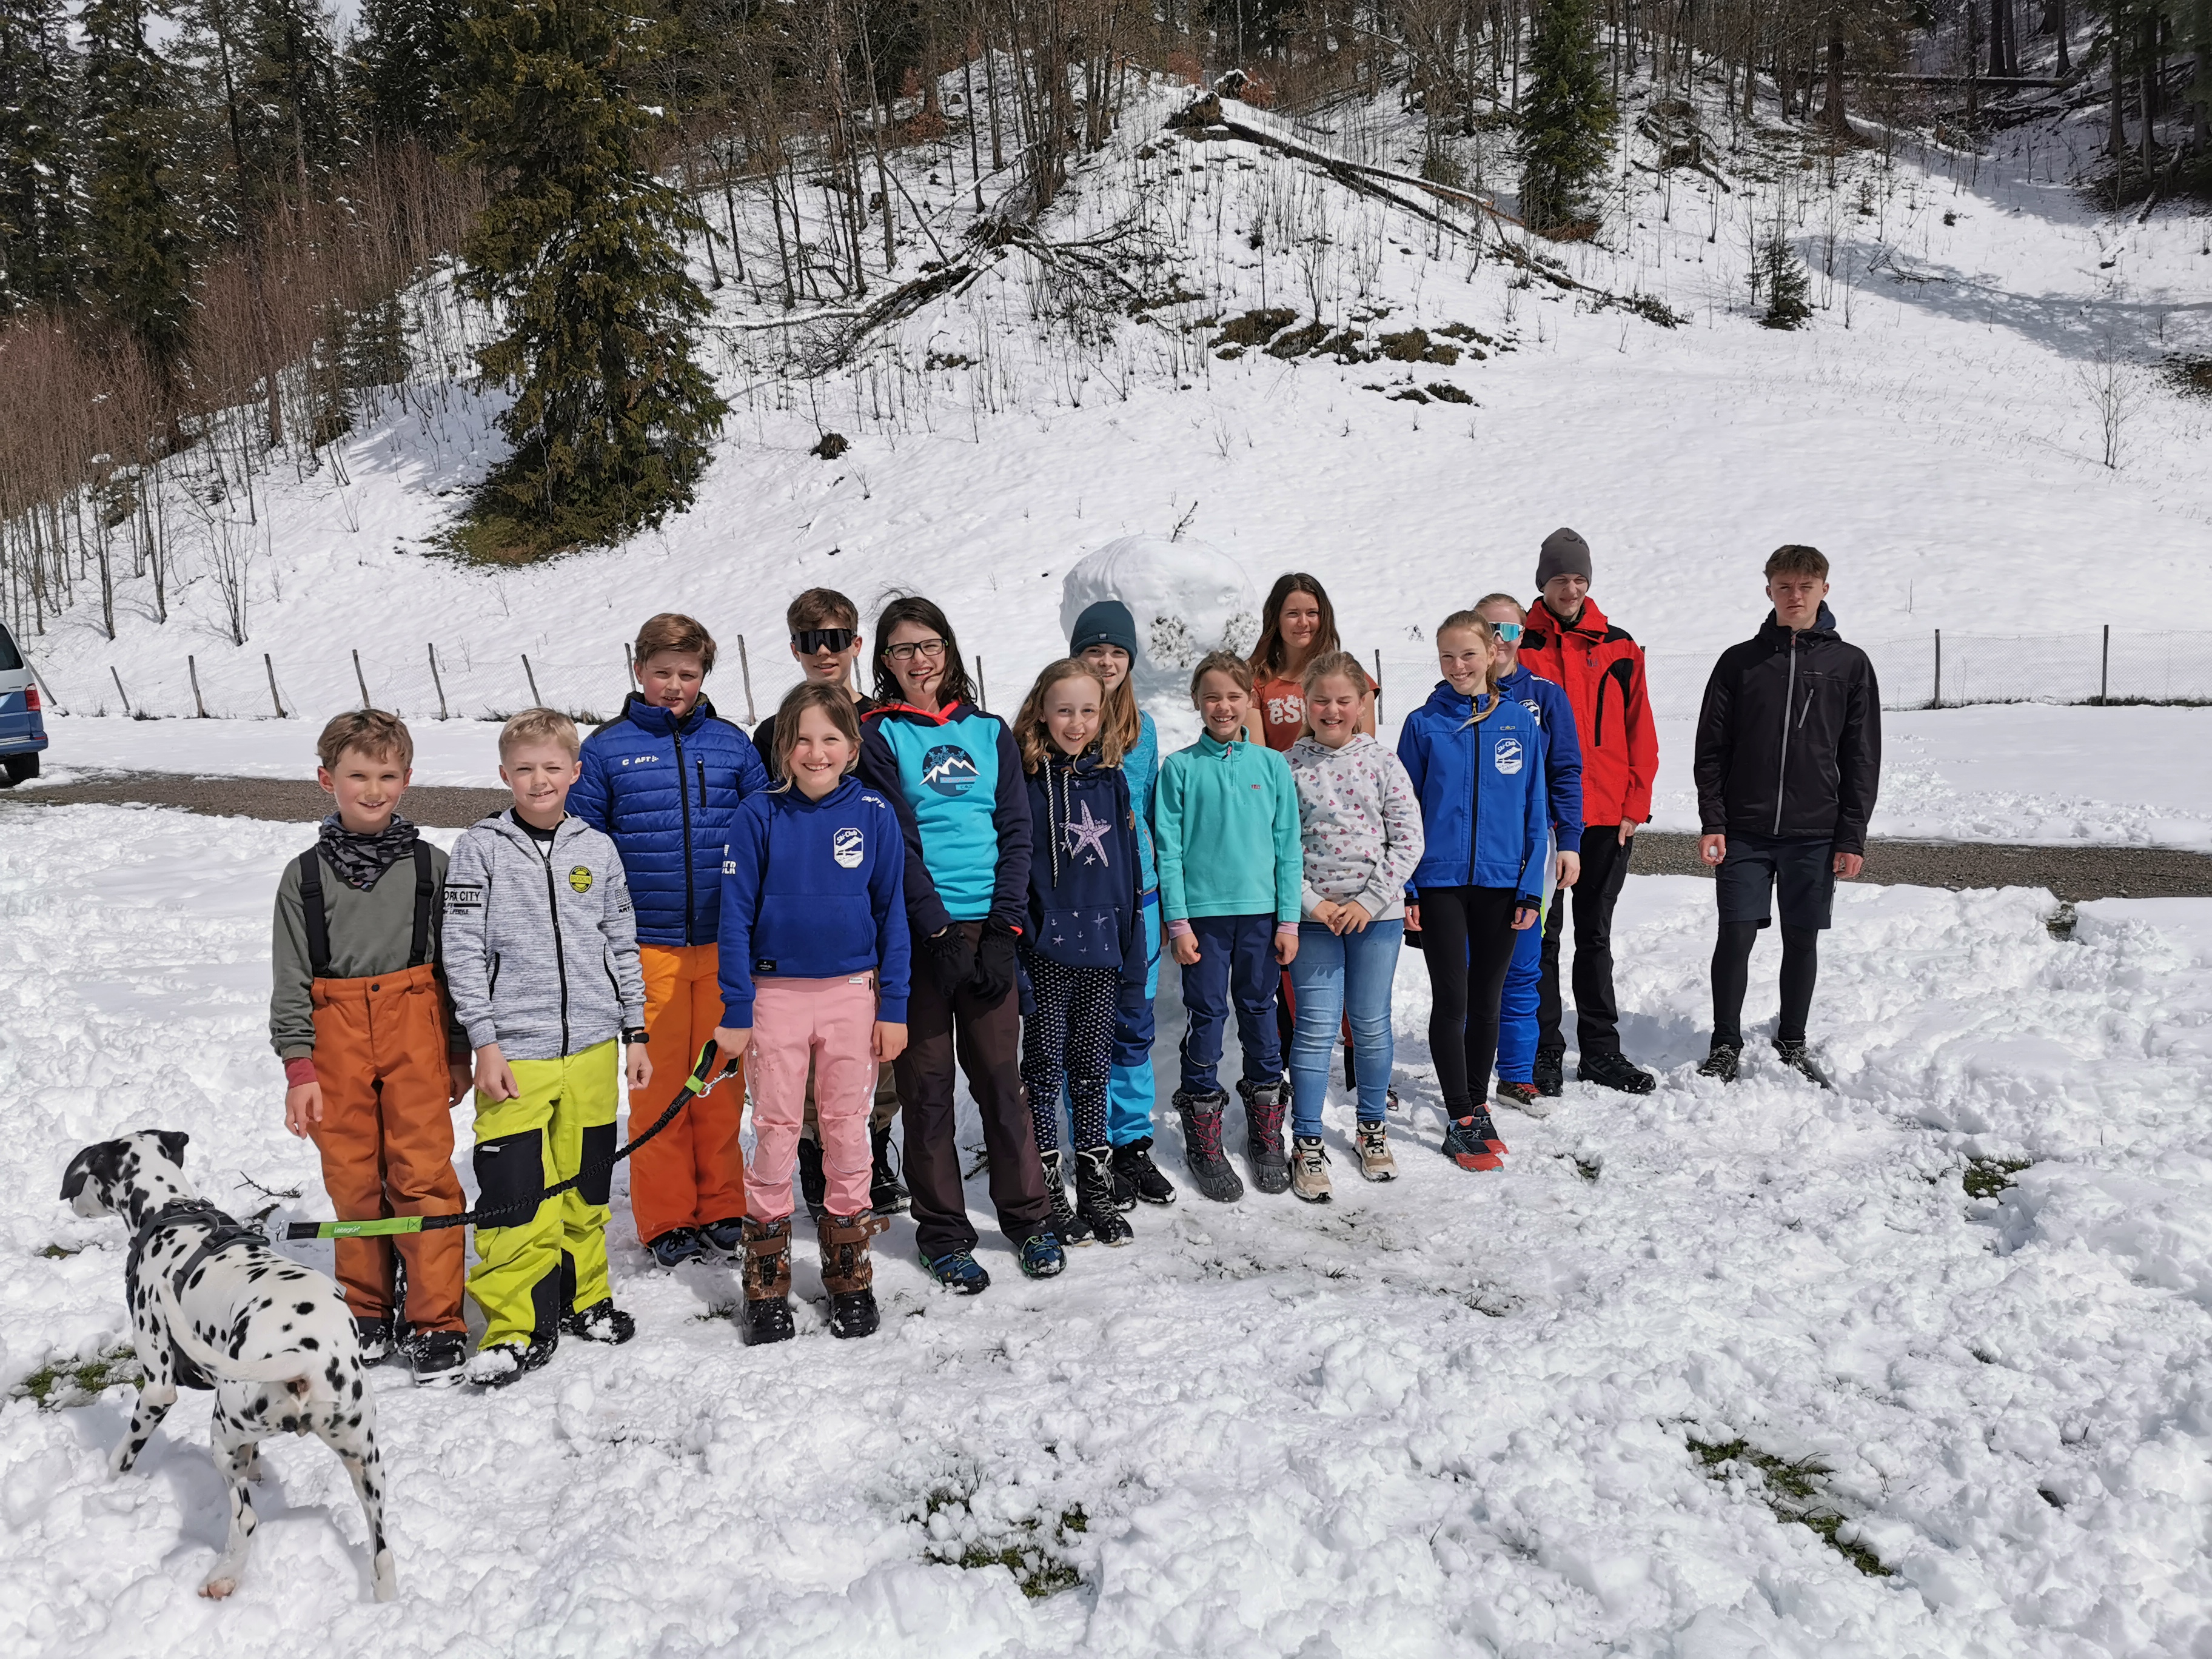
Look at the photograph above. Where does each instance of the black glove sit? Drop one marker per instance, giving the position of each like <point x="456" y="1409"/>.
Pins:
<point x="951" y="960"/>
<point x="996" y="958"/>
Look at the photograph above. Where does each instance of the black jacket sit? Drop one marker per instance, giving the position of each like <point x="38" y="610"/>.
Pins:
<point x="1790" y="738"/>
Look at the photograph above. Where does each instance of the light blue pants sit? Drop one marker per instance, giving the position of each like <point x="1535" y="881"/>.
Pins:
<point x="1129" y="1083"/>
<point x="1517" y="1008"/>
<point x="1336" y="977"/>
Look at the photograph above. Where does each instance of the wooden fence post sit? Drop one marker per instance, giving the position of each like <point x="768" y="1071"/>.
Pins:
<point x="536" y="701"/>
<point x="120" y="691"/>
<point x="2105" y="668"/>
<point x="745" y="667"/>
<point x="436" y="681"/>
<point x="982" y="697"/>
<point x="192" y="667"/>
<point x="273" y="698"/>
<point x="1937" y="701"/>
<point x="359" y="680"/>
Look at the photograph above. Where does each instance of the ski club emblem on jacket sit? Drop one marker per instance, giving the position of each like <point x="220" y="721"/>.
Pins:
<point x="1087" y="835"/>
<point x="847" y="847"/>
<point x="1508" y="755"/>
<point x="579" y="879"/>
<point x="949" y="769"/>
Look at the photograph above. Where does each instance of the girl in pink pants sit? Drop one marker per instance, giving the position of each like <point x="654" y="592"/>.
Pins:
<point x="813" y="954"/>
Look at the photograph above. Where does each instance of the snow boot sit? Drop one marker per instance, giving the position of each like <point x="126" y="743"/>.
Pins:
<point x="1309" y="1170"/>
<point x="1792" y="1053"/>
<point x="1094" y="1210"/>
<point x="502" y="1362"/>
<point x="1376" y="1162"/>
<point x="813" y="1184"/>
<point x="436" y="1357"/>
<point x="1201" y="1144"/>
<point x="848" y="1272"/>
<point x="1465" y="1142"/>
<point x="958" y="1271"/>
<point x="1725" y="1060"/>
<point x="1610" y="1069"/>
<point x="1071" y="1227"/>
<point x="601" y="1322"/>
<point x="725" y="1239"/>
<point x="1136" y="1173"/>
<point x="767" y="1277"/>
<point x="1526" y="1097"/>
<point x="1264" y="1107"/>
<point x="1041" y="1256"/>
<point x="887" y="1194"/>
<point x="375" y="1338"/>
<point x="1549" y="1073"/>
<point x="677" y="1246"/>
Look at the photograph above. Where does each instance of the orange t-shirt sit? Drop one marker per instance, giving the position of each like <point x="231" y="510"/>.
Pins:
<point x="1281" y="707"/>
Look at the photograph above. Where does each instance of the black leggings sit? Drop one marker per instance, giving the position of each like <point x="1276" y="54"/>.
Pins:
<point x="1801" y="966"/>
<point x="1467" y="934"/>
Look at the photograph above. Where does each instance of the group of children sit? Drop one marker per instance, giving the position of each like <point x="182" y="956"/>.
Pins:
<point x="895" y="882"/>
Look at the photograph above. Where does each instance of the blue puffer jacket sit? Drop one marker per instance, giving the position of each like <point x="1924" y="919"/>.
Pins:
<point x="667" y="791"/>
<point x="1563" y="750"/>
<point x="1086" y="872"/>
<point x="1482" y="794"/>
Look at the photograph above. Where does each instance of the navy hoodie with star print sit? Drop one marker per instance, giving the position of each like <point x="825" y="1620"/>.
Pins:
<point x="1085" y="873"/>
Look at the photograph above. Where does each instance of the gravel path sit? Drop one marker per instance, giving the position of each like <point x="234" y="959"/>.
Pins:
<point x="2073" y="873"/>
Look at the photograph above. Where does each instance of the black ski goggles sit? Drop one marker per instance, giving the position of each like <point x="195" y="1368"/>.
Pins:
<point x="809" y="641"/>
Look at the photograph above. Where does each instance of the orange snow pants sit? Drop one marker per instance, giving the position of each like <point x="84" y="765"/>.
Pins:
<point x="387" y="1139"/>
<point x="693" y="1172"/>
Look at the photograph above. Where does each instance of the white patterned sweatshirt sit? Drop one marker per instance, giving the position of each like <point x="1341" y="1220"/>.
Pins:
<point x="1360" y="823"/>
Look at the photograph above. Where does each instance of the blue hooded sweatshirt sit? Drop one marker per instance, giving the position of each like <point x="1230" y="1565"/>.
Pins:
<point x="812" y="890"/>
<point x="1481" y="791"/>
<point x="1563" y="750"/>
<point x="955" y="779"/>
<point x="666" y="791"/>
<point x="1084" y="876"/>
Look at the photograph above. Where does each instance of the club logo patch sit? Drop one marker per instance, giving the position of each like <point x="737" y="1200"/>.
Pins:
<point x="1507" y="755"/>
<point x="579" y="879"/>
<point x="846" y="847"/>
<point x="949" y="769"/>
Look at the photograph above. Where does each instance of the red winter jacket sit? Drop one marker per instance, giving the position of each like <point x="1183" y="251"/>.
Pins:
<point x="1602" y="670"/>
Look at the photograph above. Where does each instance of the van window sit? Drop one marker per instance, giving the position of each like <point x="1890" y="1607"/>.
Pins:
<point x="10" y="657"/>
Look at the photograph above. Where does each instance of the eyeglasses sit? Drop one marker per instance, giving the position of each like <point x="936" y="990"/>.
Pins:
<point x="932" y="649"/>
<point x="1508" y="632"/>
<point x="812" y="640"/>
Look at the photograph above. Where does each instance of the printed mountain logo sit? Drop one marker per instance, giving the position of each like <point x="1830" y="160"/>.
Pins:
<point x="846" y="847"/>
<point x="949" y="769"/>
<point x="580" y="879"/>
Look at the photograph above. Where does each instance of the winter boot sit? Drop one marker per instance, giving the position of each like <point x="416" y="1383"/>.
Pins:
<point x="1309" y="1170"/>
<point x="1071" y="1227"/>
<point x="813" y="1184"/>
<point x="1609" y="1069"/>
<point x="436" y="1357"/>
<point x="499" y="1364"/>
<point x="1549" y="1072"/>
<point x="1041" y="1256"/>
<point x="1201" y="1144"/>
<point x="1133" y="1169"/>
<point x="601" y="1322"/>
<point x="849" y="1272"/>
<point x="887" y="1194"/>
<point x="1792" y="1053"/>
<point x="677" y="1246"/>
<point x="1264" y="1107"/>
<point x="725" y="1239"/>
<point x="1376" y="1162"/>
<point x="1095" y="1211"/>
<point x="1725" y="1060"/>
<point x="958" y="1271"/>
<point x="1466" y="1143"/>
<point x="1524" y="1097"/>
<point x="767" y="1276"/>
<point x="375" y="1338"/>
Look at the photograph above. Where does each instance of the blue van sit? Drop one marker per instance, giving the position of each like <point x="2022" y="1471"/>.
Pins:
<point x="23" y="725"/>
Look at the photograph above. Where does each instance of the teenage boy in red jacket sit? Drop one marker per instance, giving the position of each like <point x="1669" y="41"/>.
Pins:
<point x="1569" y="642"/>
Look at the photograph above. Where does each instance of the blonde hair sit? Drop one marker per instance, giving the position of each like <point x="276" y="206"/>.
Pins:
<point x="378" y="735"/>
<point x="539" y="726"/>
<point x="1030" y="729"/>
<point x="1120" y="727"/>
<point x="833" y="701"/>
<point x="1221" y="662"/>
<point x="672" y="630"/>
<point x="1489" y="599"/>
<point x="1335" y="662"/>
<point x="1468" y="622"/>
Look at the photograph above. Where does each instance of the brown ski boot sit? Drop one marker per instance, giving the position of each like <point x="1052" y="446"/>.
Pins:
<point x="767" y="1277"/>
<point x="848" y="1272"/>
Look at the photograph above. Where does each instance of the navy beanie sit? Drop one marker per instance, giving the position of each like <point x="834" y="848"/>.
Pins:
<point x="1108" y="621"/>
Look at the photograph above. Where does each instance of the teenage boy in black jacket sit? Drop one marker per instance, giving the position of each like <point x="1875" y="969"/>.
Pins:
<point x="1789" y="760"/>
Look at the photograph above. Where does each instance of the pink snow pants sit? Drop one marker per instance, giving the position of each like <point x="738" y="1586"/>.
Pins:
<point x="831" y="1023"/>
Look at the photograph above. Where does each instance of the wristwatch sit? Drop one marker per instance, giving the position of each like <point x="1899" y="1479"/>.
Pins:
<point x="632" y="1035"/>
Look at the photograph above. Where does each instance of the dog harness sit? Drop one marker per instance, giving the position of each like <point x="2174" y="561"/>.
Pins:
<point x="223" y="1232"/>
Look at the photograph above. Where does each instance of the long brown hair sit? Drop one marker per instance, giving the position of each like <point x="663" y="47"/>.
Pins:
<point x="955" y="687"/>
<point x="1267" y="656"/>
<point x="833" y="701"/>
<point x="1029" y="729"/>
<point x="1472" y="622"/>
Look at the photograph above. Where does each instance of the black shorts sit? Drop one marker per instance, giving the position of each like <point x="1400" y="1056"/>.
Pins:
<point x="1805" y="870"/>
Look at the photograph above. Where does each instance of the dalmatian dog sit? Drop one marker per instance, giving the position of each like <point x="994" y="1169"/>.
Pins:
<point x="214" y="1307"/>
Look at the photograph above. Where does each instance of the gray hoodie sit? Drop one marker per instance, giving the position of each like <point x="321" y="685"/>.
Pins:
<point x="541" y="950"/>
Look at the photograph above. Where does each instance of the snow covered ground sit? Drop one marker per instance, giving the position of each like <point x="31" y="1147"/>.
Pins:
<point x="1456" y="1414"/>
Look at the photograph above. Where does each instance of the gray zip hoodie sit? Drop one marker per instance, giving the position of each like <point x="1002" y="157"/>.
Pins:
<point x="541" y="950"/>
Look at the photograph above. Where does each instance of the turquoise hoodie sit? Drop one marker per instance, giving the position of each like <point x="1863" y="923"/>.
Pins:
<point x="1225" y="832"/>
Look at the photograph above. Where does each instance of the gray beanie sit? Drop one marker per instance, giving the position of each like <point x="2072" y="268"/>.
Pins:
<point x="1564" y="554"/>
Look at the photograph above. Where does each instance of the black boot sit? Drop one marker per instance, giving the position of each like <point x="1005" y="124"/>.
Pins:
<point x="849" y="1272"/>
<point x="1264" y="1106"/>
<point x="1724" y="1062"/>
<point x="1133" y="1170"/>
<point x="1610" y="1069"/>
<point x="813" y="1184"/>
<point x="1070" y="1227"/>
<point x="1094" y="1197"/>
<point x="767" y="1277"/>
<point x="1549" y="1073"/>
<point x="1201" y="1144"/>
<point x="1792" y="1053"/>
<point x="887" y="1194"/>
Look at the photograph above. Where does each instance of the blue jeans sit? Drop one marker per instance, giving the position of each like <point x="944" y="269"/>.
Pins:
<point x="1518" y="1008"/>
<point x="1335" y="977"/>
<point x="1130" y="1086"/>
<point x="1235" y="964"/>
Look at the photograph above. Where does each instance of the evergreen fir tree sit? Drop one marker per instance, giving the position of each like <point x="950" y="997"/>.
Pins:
<point x="1567" y="117"/>
<point x="1782" y="278"/>
<point x="38" y="231"/>
<point x="136" y="242"/>
<point x="291" y="84"/>
<point x="580" y="249"/>
<point x="398" y="70"/>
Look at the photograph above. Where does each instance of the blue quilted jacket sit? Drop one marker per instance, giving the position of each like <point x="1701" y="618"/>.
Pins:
<point x="667" y="792"/>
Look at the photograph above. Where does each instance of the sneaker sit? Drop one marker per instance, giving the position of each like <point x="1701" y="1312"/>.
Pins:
<point x="854" y="1313"/>
<point x="601" y="1322"/>
<point x="1392" y="1104"/>
<point x="813" y="1181"/>
<point x="375" y="1338"/>
<point x="676" y="1246"/>
<point x="1376" y="1162"/>
<point x="1042" y="1257"/>
<point x="1135" y="1170"/>
<point x="1264" y="1107"/>
<point x="1466" y="1146"/>
<point x="1526" y="1097"/>
<point x="1486" y="1132"/>
<point x="498" y="1364"/>
<point x="1610" y="1069"/>
<point x="1725" y="1061"/>
<point x="724" y="1238"/>
<point x="887" y="1194"/>
<point x="1309" y="1170"/>
<point x="1792" y="1053"/>
<point x="1095" y="1211"/>
<point x="1071" y="1227"/>
<point x="1549" y="1073"/>
<point x="767" y="1319"/>
<point x="437" y="1356"/>
<point x="958" y="1271"/>
<point x="1201" y="1144"/>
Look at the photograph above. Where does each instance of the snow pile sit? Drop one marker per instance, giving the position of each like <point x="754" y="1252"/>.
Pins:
<point x="1187" y="598"/>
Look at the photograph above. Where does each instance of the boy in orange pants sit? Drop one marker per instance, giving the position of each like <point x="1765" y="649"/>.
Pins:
<point x="373" y="1059"/>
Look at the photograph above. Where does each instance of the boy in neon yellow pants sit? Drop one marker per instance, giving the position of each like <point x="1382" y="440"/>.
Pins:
<point x="542" y="956"/>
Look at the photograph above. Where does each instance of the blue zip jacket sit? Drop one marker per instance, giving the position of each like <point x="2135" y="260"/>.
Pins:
<point x="812" y="890"/>
<point x="1084" y="880"/>
<point x="1481" y="792"/>
<point x="667" y="792"/>
<point x="1563" y="750"/>
<point x="1141" y="766"/>
<point x="955" y="778"/>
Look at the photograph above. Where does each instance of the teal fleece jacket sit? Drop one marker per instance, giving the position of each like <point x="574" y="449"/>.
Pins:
<point x="1226" y="833"/>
